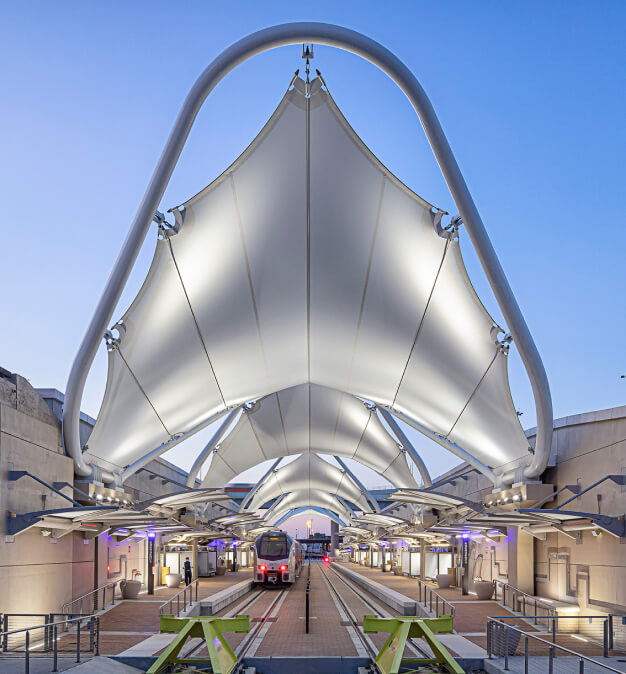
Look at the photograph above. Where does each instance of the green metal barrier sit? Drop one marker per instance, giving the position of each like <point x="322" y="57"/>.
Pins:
<point x="209" y="628"/>
<point x="389" y="658"/>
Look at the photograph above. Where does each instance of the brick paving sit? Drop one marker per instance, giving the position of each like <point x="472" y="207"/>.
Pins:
<point x="470" y="613"/>
<point x="287" y="636"/>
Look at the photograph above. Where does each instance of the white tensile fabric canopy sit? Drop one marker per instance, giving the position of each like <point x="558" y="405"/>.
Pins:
<point x="307" y="261"/>
<point x="310" y="498"/>
<point x="308" y="471"/>
<point x="309" y="418"/>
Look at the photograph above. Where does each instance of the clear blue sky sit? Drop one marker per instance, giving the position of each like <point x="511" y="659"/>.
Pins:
<point x="531" y="95"/>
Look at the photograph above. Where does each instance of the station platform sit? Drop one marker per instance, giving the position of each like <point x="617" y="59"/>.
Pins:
<point x="131" y="621"/>
<point x="471" y="614"/>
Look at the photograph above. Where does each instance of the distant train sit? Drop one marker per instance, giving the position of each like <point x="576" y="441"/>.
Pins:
<point x="278" y="558"/>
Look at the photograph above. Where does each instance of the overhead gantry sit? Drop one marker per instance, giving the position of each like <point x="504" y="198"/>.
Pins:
<point x="324" y="271"/>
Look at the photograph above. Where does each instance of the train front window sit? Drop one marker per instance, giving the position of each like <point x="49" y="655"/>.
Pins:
<point x="273" y="547"/>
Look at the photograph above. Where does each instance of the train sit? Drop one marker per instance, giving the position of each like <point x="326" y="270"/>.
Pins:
<point x="278" y="558"/>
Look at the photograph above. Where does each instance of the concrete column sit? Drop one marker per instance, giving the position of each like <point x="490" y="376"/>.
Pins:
<point x="521" y="560"/>
<point x="194" y="559"/>
<point x="334" y="538"/>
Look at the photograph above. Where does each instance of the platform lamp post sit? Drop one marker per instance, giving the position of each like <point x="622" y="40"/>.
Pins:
<point x="465" y="562"/>
<point x="151" y="537"/>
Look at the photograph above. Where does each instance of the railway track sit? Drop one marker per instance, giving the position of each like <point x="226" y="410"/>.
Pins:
<point x="249" y="645"/>
<point x="412" y="644"/>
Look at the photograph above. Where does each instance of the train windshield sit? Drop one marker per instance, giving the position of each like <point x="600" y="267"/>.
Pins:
<point x="273" y="547"/>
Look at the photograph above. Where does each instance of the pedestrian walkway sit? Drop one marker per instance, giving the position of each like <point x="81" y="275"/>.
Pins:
<point x="471" y="614"/>
<point x="131" y="621"/>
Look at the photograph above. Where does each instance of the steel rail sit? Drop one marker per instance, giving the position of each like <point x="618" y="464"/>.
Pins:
<point x="361" y="596"/>
<point x="366" y="641"/>
<point x="243" y="647"/>
<point x="372" y="51"/>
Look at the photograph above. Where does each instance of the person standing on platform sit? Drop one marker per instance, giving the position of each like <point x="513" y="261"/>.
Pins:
<point x="187" y="567"/>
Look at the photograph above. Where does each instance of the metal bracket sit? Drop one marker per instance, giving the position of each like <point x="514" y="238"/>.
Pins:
<point x="14" y="475"/>
<point x="451" y="230"/>
<point x="209" y="628"/>
<point x="166" y="229"/>
<point x="389" y="658"/>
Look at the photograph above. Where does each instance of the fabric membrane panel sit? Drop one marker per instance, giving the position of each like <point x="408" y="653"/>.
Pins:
<point x="308" y="471"/>
<point x="308" y="419"/>
<point x="307" y="262"/>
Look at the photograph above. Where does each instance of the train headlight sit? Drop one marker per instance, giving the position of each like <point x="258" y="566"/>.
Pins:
<point x="262" y="567"/>
<point x="282" y="567"/>
<point x="327" y="559"/>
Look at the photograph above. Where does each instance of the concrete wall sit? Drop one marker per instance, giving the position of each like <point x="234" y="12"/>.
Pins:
<point x="584" y="569"/>
<point x="38" y="574"/>
<point x="588" y="570"/>
<point x="35" y="571"/>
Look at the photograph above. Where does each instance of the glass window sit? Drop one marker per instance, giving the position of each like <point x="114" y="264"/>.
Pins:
<point x="273" y="547"/>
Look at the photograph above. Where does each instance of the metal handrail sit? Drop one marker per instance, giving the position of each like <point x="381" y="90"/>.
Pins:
<point x="94" y="594"/>
<point x="526" y="598"/>
<point x="51" y="630"/>
<point x="552" y="646"/>
<point x="429" y="593"/>
<point x="606" y="620"/>
<point x="188" y="588"/>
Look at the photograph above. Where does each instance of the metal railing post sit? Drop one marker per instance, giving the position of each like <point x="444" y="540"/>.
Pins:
<point x="551" y="661"/>
<point x="523" y="604"/>
<point x="97" y="635"/>
<point x="553" y="630"/>
<point x="526" y="654"/>
<point x="78" y="640"/>
<point x="581" y="666"/>
<point x="611" y="644"/>
<point x="506" y="648"/>
<point x="535" y="611"/>
<point x="55" y="649"/>
<point x="605" y="640"/>
<point x="46" y="633"/>
<point x="489" y="638"/>
<point x="437" y="606"/>
<point x="27" y="654"/>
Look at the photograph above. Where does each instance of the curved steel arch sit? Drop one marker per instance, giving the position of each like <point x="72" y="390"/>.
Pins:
<point x="352" y="41"/>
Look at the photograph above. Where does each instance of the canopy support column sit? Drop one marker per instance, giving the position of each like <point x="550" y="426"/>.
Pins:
<point x="406" y="443"/>
<point x="370" y="497"/>
<point x="256" y="488"/>
<point x="450" y="446"/>
<point x="210" y="446"/>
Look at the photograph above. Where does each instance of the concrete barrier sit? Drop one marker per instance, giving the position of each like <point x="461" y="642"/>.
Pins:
<point x="216" y="602"/>
<point x="401" y="603"/>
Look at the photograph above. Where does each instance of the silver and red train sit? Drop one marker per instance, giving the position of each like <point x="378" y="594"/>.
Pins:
<point x="278" y="558"/>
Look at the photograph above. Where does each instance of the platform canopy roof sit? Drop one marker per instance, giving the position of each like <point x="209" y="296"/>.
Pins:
<point x="432" y="499"/>
<point x="306" y="262"/>
<point x="309" y="418"/>
<point x="308" y="471"/>
<point x="310" y="498"/>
